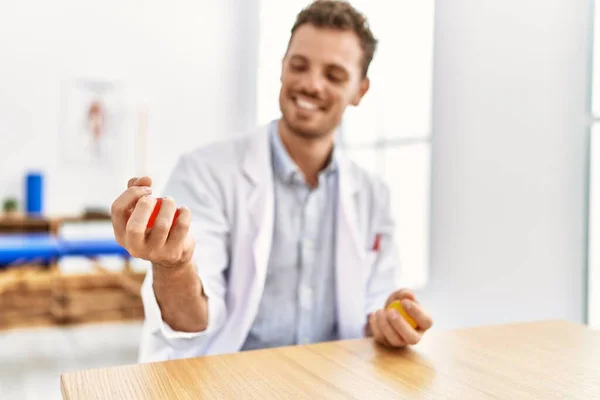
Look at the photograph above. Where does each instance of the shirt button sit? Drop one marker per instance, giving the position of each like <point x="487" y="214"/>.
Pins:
<point x="309" y="243"/>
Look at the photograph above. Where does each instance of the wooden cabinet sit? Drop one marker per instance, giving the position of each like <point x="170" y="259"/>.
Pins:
<point x="20" y="223"/>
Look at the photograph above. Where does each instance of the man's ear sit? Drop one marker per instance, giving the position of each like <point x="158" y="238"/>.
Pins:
<point x="362" y="90"/>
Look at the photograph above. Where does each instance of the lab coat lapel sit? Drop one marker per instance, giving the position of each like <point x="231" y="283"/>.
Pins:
<point x="260" y="204"/>
<point x="350" y="256"/>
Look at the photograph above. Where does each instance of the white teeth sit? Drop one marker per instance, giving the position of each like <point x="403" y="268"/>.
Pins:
<point x="307" y="105"/>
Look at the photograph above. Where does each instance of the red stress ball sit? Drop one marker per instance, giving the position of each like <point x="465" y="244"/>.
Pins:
<point x="155" y="213"/>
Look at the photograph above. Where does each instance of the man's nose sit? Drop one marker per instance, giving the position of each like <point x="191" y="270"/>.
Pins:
<point x="312" y="83"/>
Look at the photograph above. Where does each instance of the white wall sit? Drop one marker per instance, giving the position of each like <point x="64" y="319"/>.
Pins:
<point x="593" y="309"/>
<point x="594" y="200"/>
<point x="509" y="135"/>
<point x="509" y="150"/>
<point x="181" y="59"/>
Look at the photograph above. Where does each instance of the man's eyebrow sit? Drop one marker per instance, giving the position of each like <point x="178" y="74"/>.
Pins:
<point x="298" y="57"/>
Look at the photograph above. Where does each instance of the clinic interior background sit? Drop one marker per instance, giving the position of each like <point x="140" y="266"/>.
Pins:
<point x="479" y="118"/>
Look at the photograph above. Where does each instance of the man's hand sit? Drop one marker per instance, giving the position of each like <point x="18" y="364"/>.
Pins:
<point x="179" y="291"/>
<point x="389" y="328"/>
<point x="166" y="244"/>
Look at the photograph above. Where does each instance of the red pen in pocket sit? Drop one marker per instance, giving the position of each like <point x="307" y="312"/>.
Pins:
<point x="377" y="242"/>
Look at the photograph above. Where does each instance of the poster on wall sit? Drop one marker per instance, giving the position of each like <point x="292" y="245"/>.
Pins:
<point x="94" y="145"/>
<point x="93" y="114"/>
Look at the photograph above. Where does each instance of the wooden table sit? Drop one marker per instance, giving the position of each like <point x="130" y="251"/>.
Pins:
<point x="542" y="360"/>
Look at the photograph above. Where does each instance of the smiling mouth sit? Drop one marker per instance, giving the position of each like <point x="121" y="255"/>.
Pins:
<point x="306" y="105"/>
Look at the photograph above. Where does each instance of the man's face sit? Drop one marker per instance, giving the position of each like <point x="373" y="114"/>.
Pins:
<point x="321" y="75"/>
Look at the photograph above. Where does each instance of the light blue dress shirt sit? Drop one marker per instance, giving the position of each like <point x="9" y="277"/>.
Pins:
<point x="298" y="303"/>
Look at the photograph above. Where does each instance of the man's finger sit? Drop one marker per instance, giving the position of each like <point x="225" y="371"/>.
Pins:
<point x="377" y="334"/>
<point x="421" y="317"/>
<point x="164" y="220"/>
<point x="143" y="181"/>
<point x="405" y="294"/>
<point x="136" y="225"/>
<point x="400" y="295"/>
<point x="403" y="328"/>
<point x="128" y="199"/>
<point x="391" y="336"/>
<point x="180" y="229"/>
<point x="122" y="206"/>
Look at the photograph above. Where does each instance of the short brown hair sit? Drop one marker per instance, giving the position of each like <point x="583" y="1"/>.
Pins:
<point x="337" y="14"/>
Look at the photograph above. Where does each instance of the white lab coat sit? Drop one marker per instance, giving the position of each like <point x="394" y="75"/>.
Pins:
<point x="228" y="187"/>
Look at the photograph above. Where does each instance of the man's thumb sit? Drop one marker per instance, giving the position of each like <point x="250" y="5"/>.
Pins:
<point x="143" y="181"/>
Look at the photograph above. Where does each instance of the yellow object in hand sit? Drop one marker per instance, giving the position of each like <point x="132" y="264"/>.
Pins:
<point x="396" y="305"/>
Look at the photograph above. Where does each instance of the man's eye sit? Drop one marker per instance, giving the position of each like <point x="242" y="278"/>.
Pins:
<point x="335" y="78"/>
<point x="297" y="68"/>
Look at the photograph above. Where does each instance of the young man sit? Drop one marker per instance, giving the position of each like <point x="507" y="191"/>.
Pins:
<point x="280" y="239"/>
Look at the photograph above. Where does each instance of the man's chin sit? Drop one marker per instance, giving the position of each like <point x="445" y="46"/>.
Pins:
<point x="306" y="130"/>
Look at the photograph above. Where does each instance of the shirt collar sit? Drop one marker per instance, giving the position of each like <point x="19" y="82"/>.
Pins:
<point x="283" y="164"/>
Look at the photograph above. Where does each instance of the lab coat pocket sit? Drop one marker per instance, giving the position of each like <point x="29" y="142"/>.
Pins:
<point x="369" y="265"/>
<point x="371" y="258"/>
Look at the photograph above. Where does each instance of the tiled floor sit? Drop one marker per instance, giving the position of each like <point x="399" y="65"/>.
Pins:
<point x="31" y="361"/>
